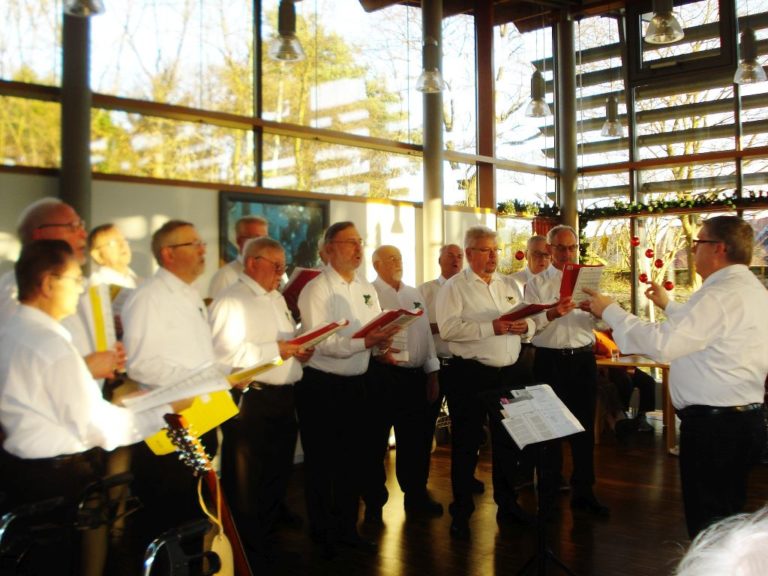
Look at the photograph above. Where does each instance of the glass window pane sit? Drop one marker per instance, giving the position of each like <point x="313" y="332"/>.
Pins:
<point x="460" y="97"/>
<point x="517" y="56"/>
<point x="185" y="52"/>
<point x="30" y="133"/>
<point x="524" y="187"/>
<point x="312" y="166"/>
<point x="513" y="236"/>
<point x="154" y="147"/>
<point x="359" y="73"/>
<point x="608" y="244"/>
<point x="702" y="35"/>
<point x="597" y="190"/>
<point x="680" y="180"/>
<point x="755" y="176"/>
<point x="460" y="184"/>
<point x="30" y="43"/>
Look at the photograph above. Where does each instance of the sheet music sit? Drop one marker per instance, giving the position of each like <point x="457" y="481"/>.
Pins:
<point x="204" y="380"/>
<point x="536" y="414"/>
<point x="589" y="277"/>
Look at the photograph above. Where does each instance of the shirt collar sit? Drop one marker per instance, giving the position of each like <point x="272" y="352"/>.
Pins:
<point x="379" y="284"/>
<point x="336" y="277"/>
<point x="176" y="284"/>
<point x="39" y="317"/>
<point x="254" y="286"/>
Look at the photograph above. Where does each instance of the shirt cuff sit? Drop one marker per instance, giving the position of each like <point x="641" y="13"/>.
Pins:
<point x="431" y="365"/>
<point x="357" y="345"/>
<point x="486" y="330"/>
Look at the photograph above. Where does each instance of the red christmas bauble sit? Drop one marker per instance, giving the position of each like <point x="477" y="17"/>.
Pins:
<point x="659" y="263"/>
<point x="635" y="241"/>
<point x="643" y="277"/>
<point x="519" y="255"/>
<point x="649" y="253"/>
<point x="669" y="285"/>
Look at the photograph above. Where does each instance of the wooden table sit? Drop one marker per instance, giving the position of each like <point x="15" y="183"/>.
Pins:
<point x="637" y="361"/>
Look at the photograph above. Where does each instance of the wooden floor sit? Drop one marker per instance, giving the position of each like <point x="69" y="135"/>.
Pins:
<point x="645" y="535"/>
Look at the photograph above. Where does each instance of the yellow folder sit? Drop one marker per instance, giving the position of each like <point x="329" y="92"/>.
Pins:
<point x="207" y="412"/>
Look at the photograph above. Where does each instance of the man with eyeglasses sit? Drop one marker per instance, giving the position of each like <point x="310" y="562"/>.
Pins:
<point x="565" y="360"/>
<point x="168" y="338"/>
<point x="251" y="324"/>
<point x="52" y="219"/>
<point x="52" y="412"/>
<point x="451" y="262"/>
<point x="485" y="350"/>
<point x="330" y="398"/>
<point x="111" y="256"/>
<point x="402" y="396"/>
<point x="716" y="346"/>
<point x="246" y="228"/>
<point x="536" y="260"/>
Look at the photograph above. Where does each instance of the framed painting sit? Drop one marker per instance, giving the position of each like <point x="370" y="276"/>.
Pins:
<point x="297" y="223"/>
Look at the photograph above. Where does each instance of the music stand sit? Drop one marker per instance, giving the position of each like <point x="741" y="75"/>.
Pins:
<point x="543" y="552"/>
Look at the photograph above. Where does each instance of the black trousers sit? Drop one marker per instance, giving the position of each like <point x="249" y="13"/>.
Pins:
<point x="332" y="421"/>
<point x="471" y="397"/>
<point x="397" y="397"/>
<point x="716" y="454"/>
<point x="257" y="459"/>
<point x="29" y="481"/>
<point x="573" y="377"/>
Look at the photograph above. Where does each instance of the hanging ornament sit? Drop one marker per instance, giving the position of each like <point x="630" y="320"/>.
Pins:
<point x="649" y="253"/>
<point x="643" y="278"/>
<point x="669" y="285"/>
<point x="635" y="241"/>
<point x="659" y="263"/>
<point x="519" y="255"/>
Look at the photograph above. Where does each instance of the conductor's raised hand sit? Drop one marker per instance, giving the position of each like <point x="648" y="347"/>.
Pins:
<point x="657" y="294"/>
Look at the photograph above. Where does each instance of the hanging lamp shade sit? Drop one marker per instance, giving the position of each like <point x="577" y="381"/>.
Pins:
<point x="664" y="27"/>
<point x="83" y="8"/>
<point x="538" y="107"/>
<point x="285" y="47"/>
<point x="749" y="71"/>
<point x="430" y="80"/>
<point x="612" y="127"/>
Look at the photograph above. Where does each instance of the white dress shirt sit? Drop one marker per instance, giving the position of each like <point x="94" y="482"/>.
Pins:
<point x="75" y="325"/>
<point x="225" y="277"/>
<point x="574" y="330"/>
<point x="328" y="298"/>
<point x="521" y="278"/>
<point x="421" y="347"/>
<point x="166" y="331"/>
<point x="49" y="403"/>
<point x="429" y="292"/>
<point x="108" y="276"/>
<point x="717" y="342"/>
<point x="466" y="309"/>
<point x="247" y="322"/>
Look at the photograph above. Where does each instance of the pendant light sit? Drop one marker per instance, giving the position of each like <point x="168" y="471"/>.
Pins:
<point x="83" y="8"/>
<point x="664" y="27"/>
<point x="538" y="107"/>
<point x="285" y="47"/>
<point x="612" y="127"/>
<point x="430" y="80"/>
<point x="750" y="71"/>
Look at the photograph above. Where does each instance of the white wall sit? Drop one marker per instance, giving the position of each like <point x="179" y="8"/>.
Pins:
<point x="139" y="209"/>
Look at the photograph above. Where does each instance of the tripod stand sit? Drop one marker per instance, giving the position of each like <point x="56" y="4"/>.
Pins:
<point x="538" y="562"/>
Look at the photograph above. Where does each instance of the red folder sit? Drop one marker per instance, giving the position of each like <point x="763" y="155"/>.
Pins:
<point x="525" y="311"/>
<point x="300" y="277"/>
<point x="309" y="339"/>
<point x="570" y="275"/>
<point x="399" y="317"/>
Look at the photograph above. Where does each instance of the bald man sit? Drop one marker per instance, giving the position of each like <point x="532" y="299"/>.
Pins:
<point x="246" y="228"/>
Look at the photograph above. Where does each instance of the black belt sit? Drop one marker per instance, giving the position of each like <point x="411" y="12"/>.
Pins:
<point x="697" y="411"/>
<point x="568" y="351"/>
<point x="406" y="369"/>
<point x="445" y="362"/>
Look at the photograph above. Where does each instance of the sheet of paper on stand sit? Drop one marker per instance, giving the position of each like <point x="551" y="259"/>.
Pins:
<point x="536" y="414"/>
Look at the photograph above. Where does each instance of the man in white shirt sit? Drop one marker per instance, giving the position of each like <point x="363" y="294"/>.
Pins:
<point x="451" y="261"/>
<point x="485" y="349"/>
<point x="536" y="260"/>
<point x="715" y="344"/>
<point x="52" y="219"/>
<point x="251" y="324"/>
<point x="565" y="360"/>
<point x="168" y="338"/>
<point x="330" y="399"/>
<point x="246" y="228"/>
<point x="51" y="409"/>
<point x="111" y="256"/>
<point x="403" y="395"/>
